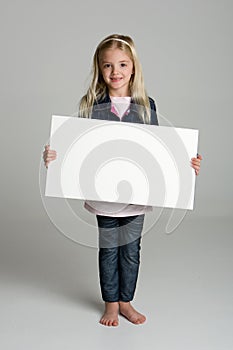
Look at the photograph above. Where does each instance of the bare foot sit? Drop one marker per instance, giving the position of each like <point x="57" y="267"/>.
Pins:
<point x="110" y="316"/>
<point x="127" y="310"/>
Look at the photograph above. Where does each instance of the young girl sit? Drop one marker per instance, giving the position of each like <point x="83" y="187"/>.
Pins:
<point x="117" y="85"/>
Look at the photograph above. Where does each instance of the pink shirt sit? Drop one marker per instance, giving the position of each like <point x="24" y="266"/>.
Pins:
<point x="120" y="106"/>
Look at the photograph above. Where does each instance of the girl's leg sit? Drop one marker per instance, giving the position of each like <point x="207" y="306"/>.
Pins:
<point x="108" y="274"/>
<point x="108" y="257"/>
<point x="129" y="261"/>
<point x="108" y="268"/>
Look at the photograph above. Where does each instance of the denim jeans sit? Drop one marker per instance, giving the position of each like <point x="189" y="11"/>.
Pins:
<point x="119" y="256"/>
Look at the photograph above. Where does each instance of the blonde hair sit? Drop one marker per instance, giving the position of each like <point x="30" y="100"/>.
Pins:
<point x="98" y="89"/>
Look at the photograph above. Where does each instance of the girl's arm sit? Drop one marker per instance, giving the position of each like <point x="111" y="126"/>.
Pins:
<point x="154" y="118"/>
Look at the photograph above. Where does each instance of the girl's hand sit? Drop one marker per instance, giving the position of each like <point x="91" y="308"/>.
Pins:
<point x="196" y="163"/>
<point x="49" y="155"/>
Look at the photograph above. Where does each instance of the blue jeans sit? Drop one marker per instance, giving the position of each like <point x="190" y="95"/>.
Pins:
<point x="119" y="256"/>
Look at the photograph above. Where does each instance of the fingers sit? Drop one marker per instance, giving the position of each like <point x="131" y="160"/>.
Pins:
<point x="48" y="158"/>
<point x="196" y="168"/>
<point x="196" y="163"/>
<point x="49" y="155"/>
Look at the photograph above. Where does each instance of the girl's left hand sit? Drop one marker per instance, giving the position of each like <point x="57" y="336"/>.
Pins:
<point x="196" y="163"/>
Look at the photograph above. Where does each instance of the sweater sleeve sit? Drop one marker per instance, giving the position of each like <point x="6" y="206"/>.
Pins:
<point x="154" y="118"/>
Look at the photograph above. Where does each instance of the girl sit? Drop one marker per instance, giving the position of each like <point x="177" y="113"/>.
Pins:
<point x="117" y="87"/>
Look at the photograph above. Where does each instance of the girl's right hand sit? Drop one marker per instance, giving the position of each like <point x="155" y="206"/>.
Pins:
<point x="49" y="155"/>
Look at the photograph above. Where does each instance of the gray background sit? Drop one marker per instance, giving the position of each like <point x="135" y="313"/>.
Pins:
<point x="48" y="299"/>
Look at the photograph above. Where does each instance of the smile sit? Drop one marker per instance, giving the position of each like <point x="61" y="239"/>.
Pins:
<point x="115" y="80"/>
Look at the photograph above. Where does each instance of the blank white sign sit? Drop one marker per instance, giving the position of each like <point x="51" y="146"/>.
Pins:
<point x="122" y="162"/>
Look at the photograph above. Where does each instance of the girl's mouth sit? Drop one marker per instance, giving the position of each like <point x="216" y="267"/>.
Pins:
<point x="115" y="80"/>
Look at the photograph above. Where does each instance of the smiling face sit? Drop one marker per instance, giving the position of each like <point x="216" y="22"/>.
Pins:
<point x="116" y="68"/>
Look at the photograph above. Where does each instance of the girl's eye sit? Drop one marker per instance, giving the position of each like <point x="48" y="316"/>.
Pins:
<point x="107" y="65"/>
<point x="123" y="65"/>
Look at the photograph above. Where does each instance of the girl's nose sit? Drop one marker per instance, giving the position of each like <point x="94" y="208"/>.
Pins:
<point x="114" y="69"/>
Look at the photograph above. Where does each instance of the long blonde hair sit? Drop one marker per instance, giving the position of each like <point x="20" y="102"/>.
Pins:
<point x="98" y="90"/>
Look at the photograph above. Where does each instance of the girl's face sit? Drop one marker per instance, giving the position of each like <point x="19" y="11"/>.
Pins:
<point x="116" y="68"/>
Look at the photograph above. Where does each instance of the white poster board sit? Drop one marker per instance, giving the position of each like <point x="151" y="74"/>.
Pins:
<point x="122" y="162"/>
